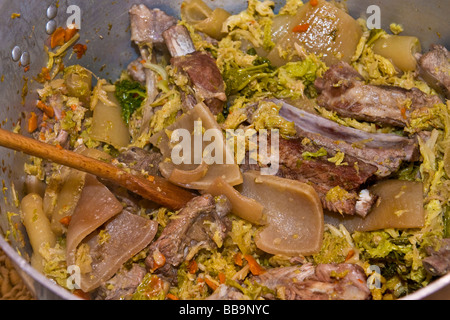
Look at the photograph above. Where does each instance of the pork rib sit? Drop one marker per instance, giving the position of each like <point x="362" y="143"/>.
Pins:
<point x="343" y="90"/>
<point x="200" y="67"/>
<point x="324" y="176"/>
<point x="385" y="151"/>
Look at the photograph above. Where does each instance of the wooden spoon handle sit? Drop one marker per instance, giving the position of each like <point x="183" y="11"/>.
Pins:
<point x="155" y="188"/>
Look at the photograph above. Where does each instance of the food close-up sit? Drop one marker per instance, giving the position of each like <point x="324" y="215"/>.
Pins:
<point x="204" y="150"/>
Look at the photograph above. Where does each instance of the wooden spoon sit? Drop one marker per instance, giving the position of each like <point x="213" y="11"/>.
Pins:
<point x="154" y="188"/>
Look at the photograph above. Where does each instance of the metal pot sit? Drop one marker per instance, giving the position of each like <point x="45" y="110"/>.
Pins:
<point x="105" y="24"/>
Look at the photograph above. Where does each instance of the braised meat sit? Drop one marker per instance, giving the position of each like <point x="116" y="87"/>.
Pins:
<point x="200" y="67"/>
<point x="343" y="90"/>
<point x="438" y="263"/>
<point x="324" y="176"/>
<point x="385" y="151"/>
<point x="435" y="69"/>
<point x="122" y="285"/>
<point x="139" y="160"/>
<point x="324" y="282"/>
<point x="147" y="26"/>
<point x="202" y="223"/>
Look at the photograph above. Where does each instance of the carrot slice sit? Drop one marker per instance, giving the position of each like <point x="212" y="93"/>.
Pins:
<point x="193" y="266"/>
<point x="57" y="38"/>
<point x="69" y="33"/>
<point x="301" y="28"/>
<point x="238" y="259"/>
<point x="255" y="268"/>
<point x="32" y="122"/>
<point x="66" y="220"/>
<point x="48" y="110"/>
<point x="211" y="284"/>
<point x="222" y="277"/>
<point x="172" y="296"/>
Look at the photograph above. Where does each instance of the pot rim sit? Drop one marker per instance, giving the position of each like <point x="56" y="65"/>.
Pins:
<point x="62" y="293"/>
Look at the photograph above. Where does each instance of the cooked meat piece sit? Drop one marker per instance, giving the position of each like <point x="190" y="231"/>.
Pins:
<point x="205" y="77"/>
<point x="342" y="89"/>
<point x="325" y="282"/>
<point x="349" y="280"/>
<point x="200" y="67"/>
<point x="435" y="69"/>
<point x="224" y="292"/>
<point x="122" y="285"/>
<point x="324" y="175"/>
<point x="202" y="223"/>
<point x="438" y="263"/>
<point x="284" y="276"/>
<point x="147" y="26"/>
<point x="178" y="41"/>
<point x="139" y="160"/>
<point x="300" y="159"/>
<point x="385" y="151"/>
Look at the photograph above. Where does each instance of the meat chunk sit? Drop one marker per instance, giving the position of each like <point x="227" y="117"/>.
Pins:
<point x="438" y="263"/>
<point x="326" y="177"/>
<point x="339" y="187"/>
<point x="324" y="282"/>
<point x="147" y="26"/>
<point x="200" y="68"/>
<point x="202" y="223"/>
<point x="122" y="285"/>
<point x="225" y="292"/>
<point x="385" y="151"/>
<point x="139" y="160"/>
<point x="342" y="90"/>
<point x="349" y="281"/>
<point x="435" y="69"/>
<point x="205" y="77"/>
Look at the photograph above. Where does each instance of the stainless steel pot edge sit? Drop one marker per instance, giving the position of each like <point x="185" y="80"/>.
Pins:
<point x="392" y="11"/>
<point x="39" y="285"/>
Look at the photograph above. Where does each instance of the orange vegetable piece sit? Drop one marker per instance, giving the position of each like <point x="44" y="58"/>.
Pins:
<point x="69" y="33"/>
<point x="48" y="110"/>
<point x="57" y="38"/>
<point x="255" y="267"/>
<point x="80" y="50"/>
<point x="193" y="267"/>
<point x="238" y="259"/>
<point x="313" y="2"/>
<point x="45" y="74"/>
<point x="172" y="296"/>
<point x="32" y="122"/>
<point x="301" y="28"/>
<point x="222" y="277"/>
<point x="65" y="220"/>
<point x="81" y="294"/>
<point x="211" y="284"/>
